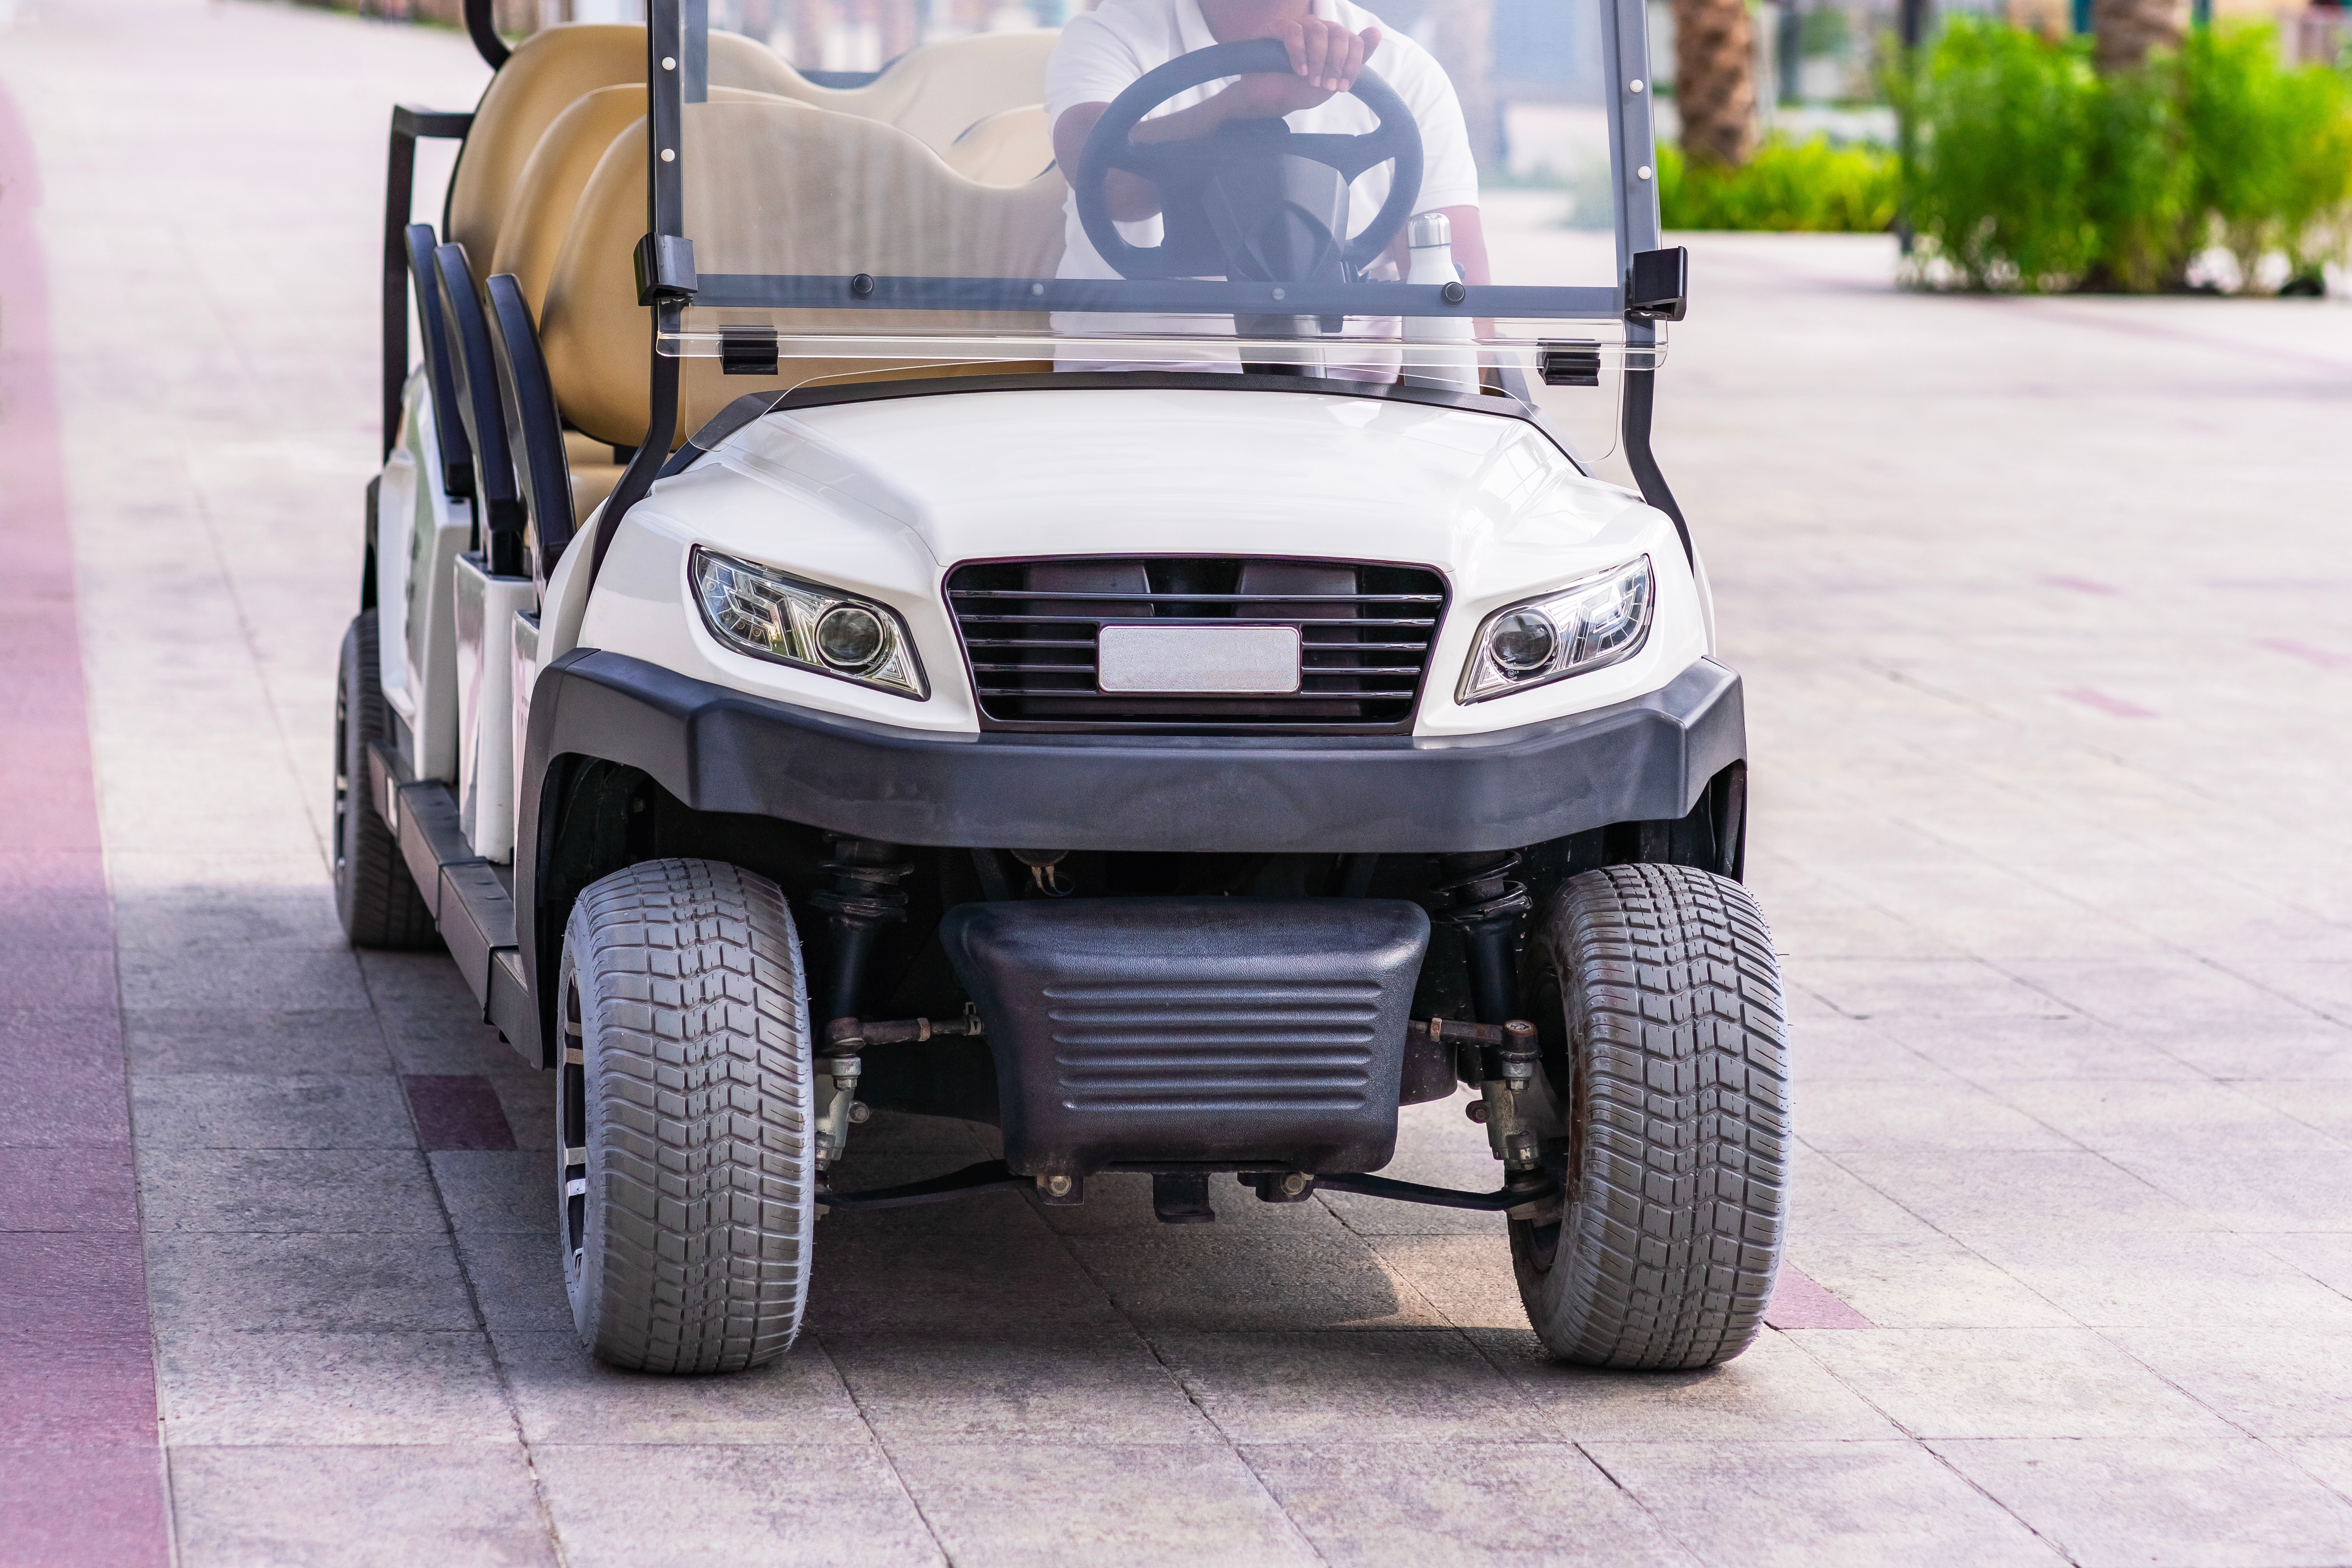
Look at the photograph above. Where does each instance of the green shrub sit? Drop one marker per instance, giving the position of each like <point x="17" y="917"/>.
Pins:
<point x="1789" y="186"/>
<point x="2025" y="170"/>
<point x="1998" y="179"/>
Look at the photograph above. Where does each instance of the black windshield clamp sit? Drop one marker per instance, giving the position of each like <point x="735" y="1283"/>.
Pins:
<point x="1657" y="286"/>
<point x="1567" y="362"/>
<point x="666" y="274"/>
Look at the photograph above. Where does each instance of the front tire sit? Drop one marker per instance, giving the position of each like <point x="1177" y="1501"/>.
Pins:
<point x="687" y="1166"/>
<point x="1656" y="997"/>
<point x="374" y="894"/>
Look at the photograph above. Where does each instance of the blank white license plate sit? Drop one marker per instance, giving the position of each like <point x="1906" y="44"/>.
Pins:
<point x="1194" y="660"/>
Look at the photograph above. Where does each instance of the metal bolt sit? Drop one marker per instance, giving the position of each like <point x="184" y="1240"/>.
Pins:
<point x="669" y="63"/>
<point x="1475" y="1111"/>
<point x="1059" y="1187"/>
<point x="1634" y="86"/>
<point x="1642" y="172"/>
<point x="860" y="1112"/>
<point x="669" y="155"/>
<point x="1294" y="1184"/>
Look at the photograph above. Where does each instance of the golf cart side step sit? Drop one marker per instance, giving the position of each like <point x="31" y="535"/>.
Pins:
<point x="472" y="899"/>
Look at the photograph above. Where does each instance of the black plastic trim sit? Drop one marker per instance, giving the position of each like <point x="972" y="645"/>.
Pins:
<point x="482" y="28"/>
<point x="534" y="429"/>
<point x="474" y="374"/>
<point x="456" y="476"/>
<point x="1640" y="397"/>
<point x="888" y="291"/>
<point x="720" y="749"/>
<point x="410" y="124"/>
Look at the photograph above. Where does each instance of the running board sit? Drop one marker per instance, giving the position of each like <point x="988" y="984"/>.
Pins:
<point x="471" y="899"/>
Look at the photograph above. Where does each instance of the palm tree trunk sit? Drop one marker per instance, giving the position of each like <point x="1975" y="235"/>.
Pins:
<point x="2125" y="30"/>
<point x="1715" y="81"/>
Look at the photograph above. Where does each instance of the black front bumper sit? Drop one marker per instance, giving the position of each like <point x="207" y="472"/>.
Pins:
<point x="720" y="749"/>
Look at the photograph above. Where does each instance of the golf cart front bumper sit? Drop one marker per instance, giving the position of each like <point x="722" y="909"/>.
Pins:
<point x="724" y="750"/>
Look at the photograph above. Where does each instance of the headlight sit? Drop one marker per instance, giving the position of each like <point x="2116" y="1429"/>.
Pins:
<point x="767" y="615"/>
<point x="1585" y="626"/>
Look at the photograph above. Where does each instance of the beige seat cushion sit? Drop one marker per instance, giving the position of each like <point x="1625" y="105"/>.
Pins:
<point x="540" y="212"/>
<point x="1010" y="148"/>
<point x="547" y="73"/>
<point x="772" y="188"/>
<point x="938" y="91"/>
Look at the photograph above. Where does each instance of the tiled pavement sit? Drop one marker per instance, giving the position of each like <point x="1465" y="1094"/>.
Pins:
<point x="2041" y="606"/>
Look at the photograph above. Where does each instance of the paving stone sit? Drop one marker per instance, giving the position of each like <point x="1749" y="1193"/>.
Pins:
<point x="622" y="1505"/>
<point x="1469" y="1279"/>
<point x="1827" y="1198"/>
<point x="233" y="975"/>
<point x="463" y="1505"/>
<point x="517" y="1279"/>
<point x="1144" y="1505"/>
<point x="562" y="1394"/>
<point x="2154" y="1120"/>
<point x="253" y="1110"/>
<point x="2012" y="1382"/>
<point x="1969" y="1194"/>
<point x="1907" y="1280"/>
<point x="1818" y="1505"/>
<point x="86" y="1188"/>
<point x="2248" y="1188"/>
<point x="314" y="1389"/>
<point x="2281" y="1381"/>
<point x="289" y="1190"/>
<point x="506" y="1190"/>
<point x="1015" y="1385"/>
<point x="327" y="1284"/>
<point x="1192" y="1279"/>
<point x="209" y="1041"/>
<point x="871" y="1277"/>
<point x="2215" y="1502"/>
<point x="2200" y="1280"/>
<point x="1935" y="1113"/>
<point x="1773" y="1392"/>
<point x="1462" y="1503"/>
<point x="1894" y="989"/>
<point x="100" y="1504"/>
<point x="1375" y="1386"/>
<point x="1990" y="1052"/>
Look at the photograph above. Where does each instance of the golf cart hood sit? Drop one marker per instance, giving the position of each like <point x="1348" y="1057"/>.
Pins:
<point x="1157" y="471"/>
<point x="883" y="498"/>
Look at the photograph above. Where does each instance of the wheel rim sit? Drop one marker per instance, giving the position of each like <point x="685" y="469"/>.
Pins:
<point x="572" y="1149"/>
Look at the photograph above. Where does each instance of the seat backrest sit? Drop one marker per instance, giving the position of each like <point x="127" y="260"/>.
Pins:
<point x="776" y="188"/>
<point x="547" y="73"/>
<point x="1011" y="147"/>
<point x="937" y="92"/>
<point x="548" y="190"/>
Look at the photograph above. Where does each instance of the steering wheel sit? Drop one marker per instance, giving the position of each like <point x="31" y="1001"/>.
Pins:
<point x="1182" y="171"/>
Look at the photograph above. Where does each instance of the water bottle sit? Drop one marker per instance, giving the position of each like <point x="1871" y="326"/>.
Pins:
<point x="1452" y="359"/>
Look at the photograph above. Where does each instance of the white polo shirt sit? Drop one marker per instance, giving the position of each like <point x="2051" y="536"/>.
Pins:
<point x="1103" y="51"/>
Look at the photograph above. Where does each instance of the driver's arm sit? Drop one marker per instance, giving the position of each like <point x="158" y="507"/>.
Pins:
<point x="1325" y="59"/>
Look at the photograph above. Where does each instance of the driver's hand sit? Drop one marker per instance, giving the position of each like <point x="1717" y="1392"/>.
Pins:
<point x="1325" y="59"/>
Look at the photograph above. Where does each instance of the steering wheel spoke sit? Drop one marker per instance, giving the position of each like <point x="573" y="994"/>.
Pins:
<point x="1181" y="169"/>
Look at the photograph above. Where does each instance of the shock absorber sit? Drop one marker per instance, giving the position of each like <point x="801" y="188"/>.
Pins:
<point x="1475" y="892"/>
<point x="864" y="897"/>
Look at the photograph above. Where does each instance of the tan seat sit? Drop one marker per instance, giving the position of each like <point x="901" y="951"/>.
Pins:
<point x="549" y="72"/>
<point x="547" y="192"/>
<point x="1009" y="148"/>
<point x="938" y="91"/>
<point x="772" y="188"/>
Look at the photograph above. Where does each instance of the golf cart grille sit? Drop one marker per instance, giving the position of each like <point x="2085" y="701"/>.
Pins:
<point x="1032" y="629"/>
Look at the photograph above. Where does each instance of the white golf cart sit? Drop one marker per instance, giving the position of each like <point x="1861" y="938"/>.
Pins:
<point x="860" y="614"/>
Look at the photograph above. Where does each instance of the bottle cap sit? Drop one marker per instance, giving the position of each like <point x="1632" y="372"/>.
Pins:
<point x="1429" y="230"/>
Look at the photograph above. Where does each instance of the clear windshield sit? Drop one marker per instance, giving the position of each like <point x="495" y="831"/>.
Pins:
<point x="870" y="183"/>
